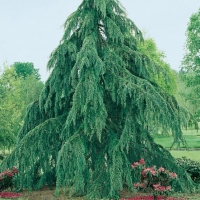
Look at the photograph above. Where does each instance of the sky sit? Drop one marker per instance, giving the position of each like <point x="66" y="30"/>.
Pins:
<point x="31" y="29"/>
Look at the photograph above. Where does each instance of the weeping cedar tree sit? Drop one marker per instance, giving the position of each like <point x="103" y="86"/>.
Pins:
<point x="93" y="116"/>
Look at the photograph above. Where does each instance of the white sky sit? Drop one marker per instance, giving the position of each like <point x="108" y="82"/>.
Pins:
<point x="31" y="29"/>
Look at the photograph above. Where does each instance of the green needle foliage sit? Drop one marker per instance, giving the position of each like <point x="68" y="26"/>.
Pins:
<point x="93" y="116"/>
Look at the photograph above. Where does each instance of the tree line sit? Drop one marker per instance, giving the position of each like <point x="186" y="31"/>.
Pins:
<point x="20" y="84"/>
<point x="190" y="72"/>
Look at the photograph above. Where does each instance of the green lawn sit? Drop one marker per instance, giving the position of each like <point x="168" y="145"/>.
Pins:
<point x="192" y="138"/>
<point x="191" y="132"/>
<point x="193" y="155"/>
<point x="193" y="141"/>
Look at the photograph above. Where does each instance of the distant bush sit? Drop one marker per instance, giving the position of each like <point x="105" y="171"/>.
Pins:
<point x="192" y="167"/>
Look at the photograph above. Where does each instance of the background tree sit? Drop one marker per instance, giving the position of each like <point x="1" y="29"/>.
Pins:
<point x="191" y="65"/>
<point x="167" y="78"/>
<point x="91" y="120"/>
<point x="16" y="94"/>
<point x="26" y="69"/>
<point x="9" y="109"/>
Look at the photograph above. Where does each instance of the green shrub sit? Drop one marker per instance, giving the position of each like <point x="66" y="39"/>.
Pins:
<point x="192" y="167"/>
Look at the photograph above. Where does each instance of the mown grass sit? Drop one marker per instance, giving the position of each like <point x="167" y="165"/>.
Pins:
<point x="192" y="138"/>
<point x="193" y="155"/>
<point x="193" y="141"/>
<point x="191" y="132"/>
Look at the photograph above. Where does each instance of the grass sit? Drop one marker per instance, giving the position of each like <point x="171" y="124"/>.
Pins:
<point x="191" y="132"/>
<point x="192" y="138"/>
<point x="193" y="155"/>
<point x="193" y="141"/>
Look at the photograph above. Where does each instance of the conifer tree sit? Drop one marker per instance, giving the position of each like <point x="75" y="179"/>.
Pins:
<point x="93" y="116"/>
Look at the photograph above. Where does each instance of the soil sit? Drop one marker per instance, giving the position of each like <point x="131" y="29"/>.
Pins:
<point x="46" y="194"/>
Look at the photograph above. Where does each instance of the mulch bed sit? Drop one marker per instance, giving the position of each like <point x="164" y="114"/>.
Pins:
<point x="46" y="194"/>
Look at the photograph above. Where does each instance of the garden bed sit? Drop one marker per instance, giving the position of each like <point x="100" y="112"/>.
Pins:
<point x="47" y="194"/>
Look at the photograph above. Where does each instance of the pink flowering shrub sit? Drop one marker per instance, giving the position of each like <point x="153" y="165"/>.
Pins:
<point x="6" y="178"/>
<point x="154" y="180"/>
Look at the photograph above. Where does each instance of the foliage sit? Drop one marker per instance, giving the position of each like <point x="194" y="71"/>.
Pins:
<point x="26" y="69"/>
<point x="191" y="166"/>
<point x="9" y="107"/>
<point x="191" y="64"/>
<point x="188" y="95"/>
<point x="191" y="59"/>
<point x="6" y="178"/>
<point x="159" y="181"/>
<point x="16" y="93"/>
<point x="92" y="117"/>
<point x="149" y="48"/>
<point x="185" y="97"/>
<point x="165" y="77"/>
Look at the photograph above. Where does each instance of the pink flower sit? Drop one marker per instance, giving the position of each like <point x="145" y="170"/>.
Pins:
<point x="136" y="185"/>
<point x="10" y="174"/>
<point x="142" y="162"/>
<point x="143" y="185"/>
<point x="135" y="164"/>
<point x="161" y="169"/>
<point x="169" y="188"/>
<point x="139" y="185"/>
<point x="162" y="188"/>
<point x="156" y="186"/>
<point x="173" y="175"/>
<point x="150" y="170"/>
<point x="144" y="173"/>
<point x="159" y="187"/>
